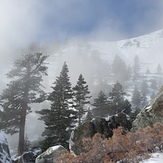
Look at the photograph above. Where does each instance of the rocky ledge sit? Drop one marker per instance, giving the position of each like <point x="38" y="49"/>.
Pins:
<point x="98" y="125"/>
<point x="151" y="114"/>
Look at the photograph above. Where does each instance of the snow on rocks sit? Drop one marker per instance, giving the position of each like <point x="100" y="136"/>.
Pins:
<point x="50" y="155"/>
<point x="4" y="149"/>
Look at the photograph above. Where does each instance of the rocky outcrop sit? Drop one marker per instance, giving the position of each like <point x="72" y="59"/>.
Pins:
<point x="51" y="154"/>
<point x="4" y="150"/>
<point x="27" y="157"/>
<point x="98" y="125"/>
<point x="151" y="114"/>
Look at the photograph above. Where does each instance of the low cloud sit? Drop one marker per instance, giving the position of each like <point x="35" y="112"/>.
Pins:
<point x="20" y="22"/>
<point x="24" y="22"/>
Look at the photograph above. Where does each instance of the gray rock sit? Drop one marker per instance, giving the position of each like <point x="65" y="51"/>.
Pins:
<point x="151" y="114"/>
<point x="98" y="125"/>
<point x="50" y="155"/>
<point x="4" y="150"/>
<point x="27" y="157"/>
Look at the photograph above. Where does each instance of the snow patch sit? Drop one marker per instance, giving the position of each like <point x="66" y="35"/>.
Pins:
<point x="155" y="158"/>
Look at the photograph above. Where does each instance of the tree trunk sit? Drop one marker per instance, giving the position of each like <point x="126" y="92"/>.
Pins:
<point x="22" y="130"/>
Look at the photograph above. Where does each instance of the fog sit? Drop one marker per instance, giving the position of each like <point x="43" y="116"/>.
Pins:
<point x="63" y="30"/>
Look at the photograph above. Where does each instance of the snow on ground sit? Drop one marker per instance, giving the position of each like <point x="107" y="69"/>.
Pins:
<point x="155" y="158"/>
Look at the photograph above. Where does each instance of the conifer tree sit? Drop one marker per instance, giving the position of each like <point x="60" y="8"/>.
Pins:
<point x="118" y="103"/>
<point x="128" y="73"/>
<point x="60" y="118"/>
<point x="24" y="89"/>
<point x="136" y="98"/>
<point x="119" y="69"/>
<point x="144" y="91"/>
<point x="100" y="105"/>
<point x="136" y="68"/>
<point x="81" y="97"/>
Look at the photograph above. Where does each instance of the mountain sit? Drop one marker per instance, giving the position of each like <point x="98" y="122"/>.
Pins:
<point x="89" y="58"/>
<point x="148" y="48"/>
<point x="93" y="60"/>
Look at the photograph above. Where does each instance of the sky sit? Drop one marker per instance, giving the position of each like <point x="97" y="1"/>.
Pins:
<point x="28" y="21"/>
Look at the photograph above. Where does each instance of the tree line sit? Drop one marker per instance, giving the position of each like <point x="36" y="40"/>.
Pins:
<point x="69" y="106"/>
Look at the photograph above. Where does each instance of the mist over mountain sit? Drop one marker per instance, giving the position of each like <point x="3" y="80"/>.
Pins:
<point x="95" y="58"/>
<point x="94" y="61"/>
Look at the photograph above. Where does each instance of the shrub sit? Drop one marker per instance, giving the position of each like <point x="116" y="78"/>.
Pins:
<point x="122" y="146"/>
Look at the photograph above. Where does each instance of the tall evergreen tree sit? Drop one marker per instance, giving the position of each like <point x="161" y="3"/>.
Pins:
<point x="144" y="91"/>
<point x="118" y="103"/>
<point x="136" y="68"/>
<point x="136" y="98"/>
<point x="100" y="105"/>
<point x="81" y="97"/>
<point x="59" y="119"/>
<point x="27" y="75"/>
<point x="119" y="70"/>
<point x="128" y="73"/>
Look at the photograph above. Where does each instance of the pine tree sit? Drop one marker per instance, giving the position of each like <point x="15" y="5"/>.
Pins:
<point x="144" y="91"/>
<point x="100" y="105"/>
<point x="81" y="97"/>
<point x="136" y="98"/>
<point x="119" y="69"/>
<point x="136" y="68"/>
<point x="60" y="118"/>
<point x="128" y="73"/>
<point x="117" y="100"/>
<point x="24" y="89"/>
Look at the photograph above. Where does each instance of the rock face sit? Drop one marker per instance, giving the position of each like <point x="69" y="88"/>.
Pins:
<point x="27" y="157"/>
<point x="98" y="125"/>
<point x="151" y="114"/>
<point x="51" y="154"/>
<point x="4" y="150"/>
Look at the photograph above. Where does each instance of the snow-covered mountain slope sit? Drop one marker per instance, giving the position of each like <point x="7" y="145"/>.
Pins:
<point x="148" y="48"/>
<point x="81" y="56"/>
<point x="85" y="57"/>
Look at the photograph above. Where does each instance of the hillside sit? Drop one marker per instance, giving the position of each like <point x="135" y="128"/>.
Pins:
<point x="94" y="60"/>
<point x="148" y="48"/>
<point x="77" y="54"/>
